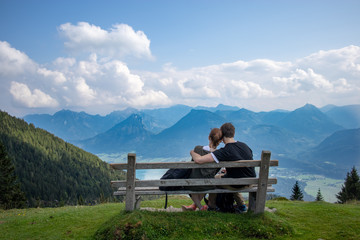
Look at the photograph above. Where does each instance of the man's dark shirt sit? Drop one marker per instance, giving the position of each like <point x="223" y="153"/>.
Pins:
<point x="233" y="152"/>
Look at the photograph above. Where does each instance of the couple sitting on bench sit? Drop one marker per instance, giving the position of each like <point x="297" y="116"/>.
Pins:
<point x="232" y="151"/>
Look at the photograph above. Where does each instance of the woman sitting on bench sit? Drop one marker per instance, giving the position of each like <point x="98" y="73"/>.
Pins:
<point x="215" y="138"/>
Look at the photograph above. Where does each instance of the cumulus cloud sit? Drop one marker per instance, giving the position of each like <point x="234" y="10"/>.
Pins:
<point x="14" y="62"/>
<point x="98" y="84"/>
<point x="67" y="83"/>
<point x="321" y="78"/>
<point x="120" y="41"/>
<point x="31" y="99"/>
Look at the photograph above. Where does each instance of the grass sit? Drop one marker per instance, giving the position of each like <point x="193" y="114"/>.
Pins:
<point x="320" y="220"/>
<point x="70" y="222"/>
<point x="292" y="220"/>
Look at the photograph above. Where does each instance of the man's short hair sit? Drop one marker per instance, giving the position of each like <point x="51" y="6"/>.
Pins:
<point x="228" y="130"/>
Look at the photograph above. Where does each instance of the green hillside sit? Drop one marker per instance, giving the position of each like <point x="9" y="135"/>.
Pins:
<point x="292" y="220"/>
<point x="51" y="171"/>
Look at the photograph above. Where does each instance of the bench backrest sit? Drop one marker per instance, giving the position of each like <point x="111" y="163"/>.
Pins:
<point x="131" y="183"/>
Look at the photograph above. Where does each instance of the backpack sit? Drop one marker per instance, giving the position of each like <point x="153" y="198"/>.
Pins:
<point x="175" y="173"/>
<point x="225" y="202"/>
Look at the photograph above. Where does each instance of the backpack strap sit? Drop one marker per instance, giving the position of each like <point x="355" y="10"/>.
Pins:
<point x="166" y="200"/>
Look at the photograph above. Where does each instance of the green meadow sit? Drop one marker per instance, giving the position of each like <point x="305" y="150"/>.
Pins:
<point x="292" y="220"/>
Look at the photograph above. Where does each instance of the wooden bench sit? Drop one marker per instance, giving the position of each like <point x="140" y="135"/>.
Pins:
<point x="133" y="188"/>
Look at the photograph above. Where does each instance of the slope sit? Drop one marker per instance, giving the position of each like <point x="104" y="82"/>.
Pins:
<point x="346" y="116"/>
<point x="124" y="136"/>
<point x="337" y="154"/>
<point x="178" y="140"/>
<point x="309" y="122"/>
<point x="51" y="170"/>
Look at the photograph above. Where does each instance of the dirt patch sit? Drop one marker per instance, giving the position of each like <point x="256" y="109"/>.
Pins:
<point x="172" y="209"/>
<point x="169" y="209"/>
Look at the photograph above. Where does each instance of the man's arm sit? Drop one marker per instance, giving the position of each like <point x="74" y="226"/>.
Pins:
<point x="201" y="159"/>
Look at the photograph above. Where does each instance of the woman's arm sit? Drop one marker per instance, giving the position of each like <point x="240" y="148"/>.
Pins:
<point x="201" y="159"/>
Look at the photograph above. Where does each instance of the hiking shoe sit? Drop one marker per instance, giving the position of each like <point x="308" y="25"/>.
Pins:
<point x="216" y="209"/>
<point x="191" y="207"/>
<point x="241" y="209"/>
<point x="204" y="208"/>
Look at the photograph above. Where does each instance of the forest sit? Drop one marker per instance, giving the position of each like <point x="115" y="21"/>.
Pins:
<point x="53" y="172"/>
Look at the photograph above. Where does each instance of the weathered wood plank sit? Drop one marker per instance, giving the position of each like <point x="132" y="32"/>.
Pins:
<point x="193" y="182"/>
<point x="167" y="165"/>
<point x="158" y="192"/>
<point x="263" y="181"/>
<point x="130" y="183"/>
<point x="252" y="201"/>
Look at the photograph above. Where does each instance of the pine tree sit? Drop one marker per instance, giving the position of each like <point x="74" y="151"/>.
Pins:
<point x="81" y="200"/>
<point x="296" y="193"/>
<point x="319" y="196"/>
<point x="351" y="188"/>
<point x="11" y="195"/>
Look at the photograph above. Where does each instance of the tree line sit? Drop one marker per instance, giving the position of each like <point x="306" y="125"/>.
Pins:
<point x="50" y="171"/>
<point x="350" y="190"/>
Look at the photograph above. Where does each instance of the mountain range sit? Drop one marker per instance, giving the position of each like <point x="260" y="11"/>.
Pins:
<point x="295" y="137"/>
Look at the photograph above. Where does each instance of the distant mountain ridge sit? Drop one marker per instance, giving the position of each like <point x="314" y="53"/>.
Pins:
<point x="288" y="134"/>
<point x="122" y="137"/>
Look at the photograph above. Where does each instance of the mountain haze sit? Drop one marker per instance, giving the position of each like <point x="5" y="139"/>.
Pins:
<point x="346" y="116"/>
<point x="337" y="153"/>
<point x="309" y="122"/>
<point x="287" y="134"/>
<point x="178" y="140"/>
<point x="124" y="136"/>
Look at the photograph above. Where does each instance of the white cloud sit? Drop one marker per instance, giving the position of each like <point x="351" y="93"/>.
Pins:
<point x="100" y="85"/>
<point x="322" y="78"/>
<point x="14" y="62"/>
<point x="57" y="76"/>
<point x="23" y="95"/>
<point x="120" y="41"/>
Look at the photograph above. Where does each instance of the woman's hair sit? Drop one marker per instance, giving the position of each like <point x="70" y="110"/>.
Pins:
<point x="215" y="136"/>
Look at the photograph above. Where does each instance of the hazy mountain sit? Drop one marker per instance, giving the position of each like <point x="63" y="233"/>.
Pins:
<point x="69" y="125"/>
<point x="309" y="122"/>
<point x="178" y="140"/>
<point x="173" y="131"/>
<point x="163" y="118"/>
<point x="124" y="136"/>
<point x="337" y="154"/>
<point x="346" y="116"/>
<point x="72" y="126"/>
<point x="273" y="117"/>
<point x="278" y="140"/>
<point x="220" y="107"/>
<point x="241" y="119"/>
<point x="327" y="108"/>
<point x="118" y="116"/>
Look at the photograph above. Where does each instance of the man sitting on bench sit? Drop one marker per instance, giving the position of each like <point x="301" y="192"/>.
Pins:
<point x="232" y="151"/>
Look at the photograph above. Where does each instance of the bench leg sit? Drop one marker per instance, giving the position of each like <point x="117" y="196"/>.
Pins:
<point x="252" y="201"/>
<point x="137" y="202"/>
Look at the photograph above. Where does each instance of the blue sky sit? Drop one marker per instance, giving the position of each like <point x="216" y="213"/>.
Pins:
<point x="100" y="56"/>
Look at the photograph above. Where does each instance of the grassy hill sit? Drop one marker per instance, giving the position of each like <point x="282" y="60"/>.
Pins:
<point x="292" y="220"/>
<point x="51" y="171"/>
